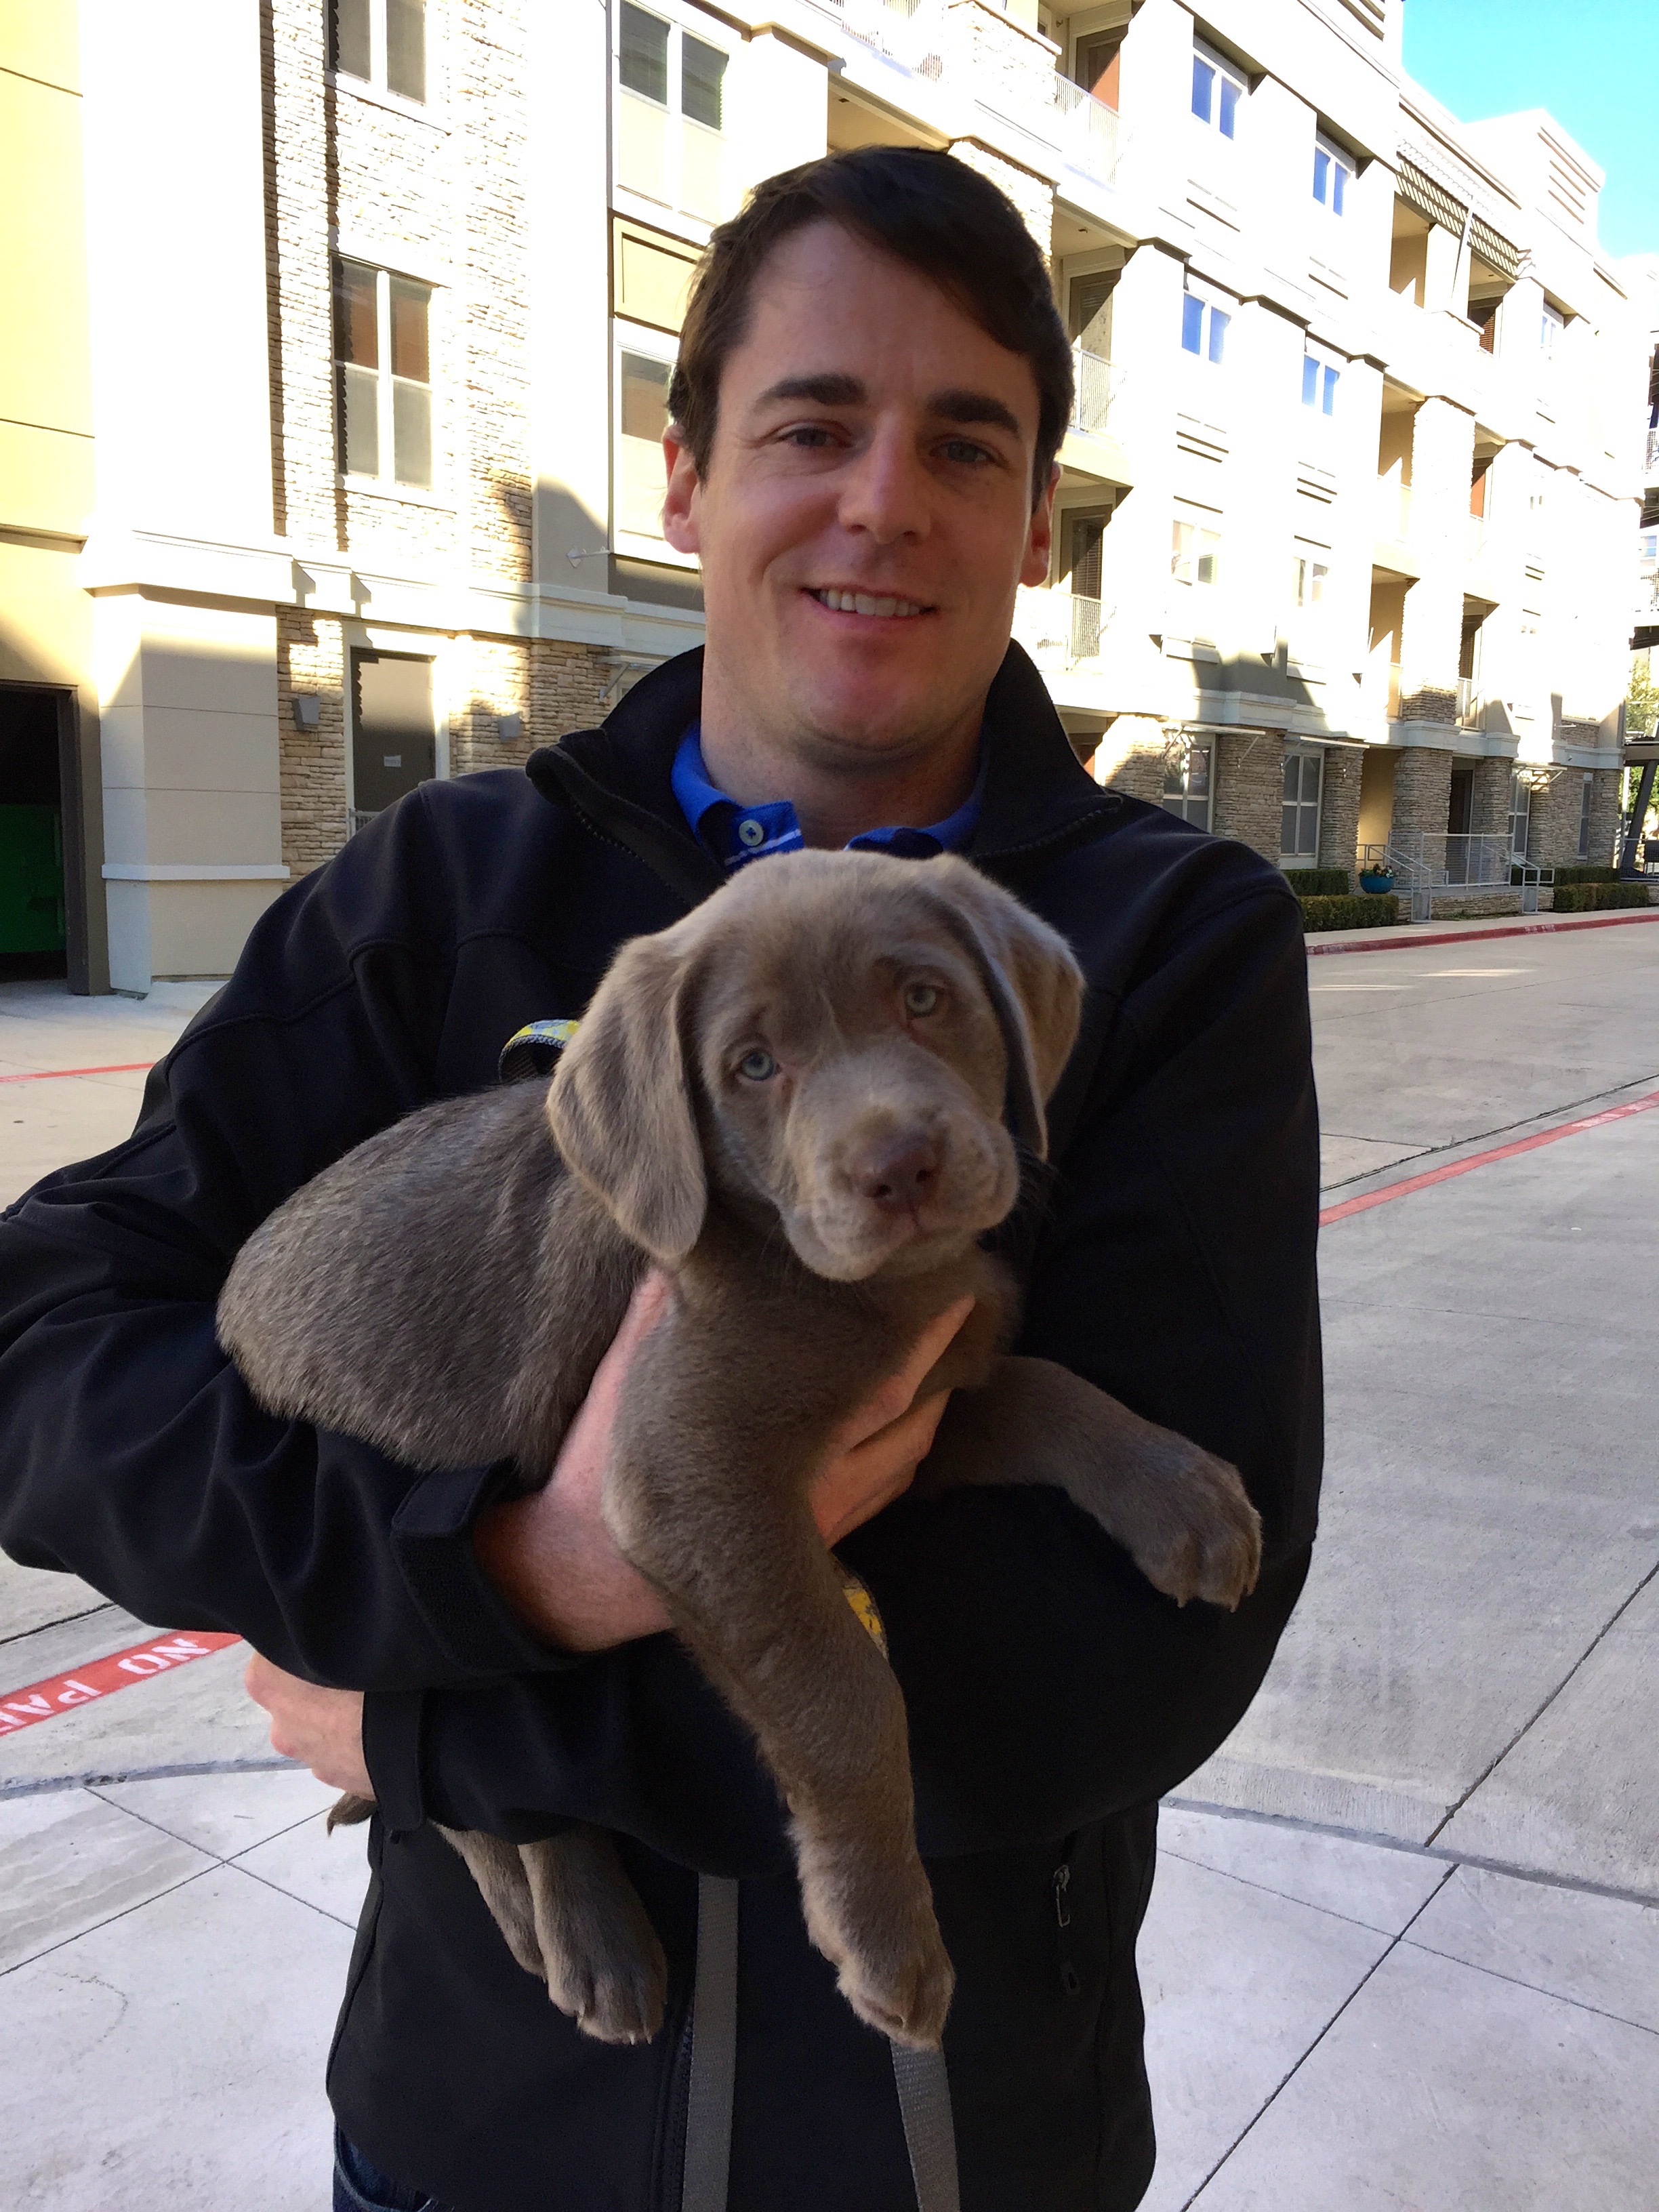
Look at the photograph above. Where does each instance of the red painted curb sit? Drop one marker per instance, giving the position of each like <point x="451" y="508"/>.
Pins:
<point x="1483" y="1159"/>
<point x="61" y="1693"/>
<point x="47" y="1074"/>
<point x="1471" y="936"/>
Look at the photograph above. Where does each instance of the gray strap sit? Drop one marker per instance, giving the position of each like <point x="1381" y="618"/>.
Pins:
<point x="930" y="2136"/>
<point x="714" y="2048"/>
<point x="923" y="2088"/>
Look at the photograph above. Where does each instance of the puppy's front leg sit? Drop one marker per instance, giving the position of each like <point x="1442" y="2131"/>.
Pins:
<point x="1182" y="1514"/>
<point x="754" y="1595"/>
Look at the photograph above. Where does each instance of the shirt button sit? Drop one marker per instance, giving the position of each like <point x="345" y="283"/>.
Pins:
<point x="750" y="832"/>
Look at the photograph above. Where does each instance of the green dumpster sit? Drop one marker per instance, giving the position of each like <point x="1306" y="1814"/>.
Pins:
<point x="30" y="879"/>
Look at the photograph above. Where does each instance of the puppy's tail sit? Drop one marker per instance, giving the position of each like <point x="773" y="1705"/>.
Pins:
<point x="348" y="1811"/>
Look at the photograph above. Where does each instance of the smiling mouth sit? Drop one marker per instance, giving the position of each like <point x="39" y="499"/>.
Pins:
<point x="868" y="603"/>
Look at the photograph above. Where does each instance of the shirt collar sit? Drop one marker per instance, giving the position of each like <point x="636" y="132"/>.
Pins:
<point x="737" y="835"/>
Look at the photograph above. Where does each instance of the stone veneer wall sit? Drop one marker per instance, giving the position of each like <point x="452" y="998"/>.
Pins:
<point x="1339" y="812"/>
<point x="1422" y="792"/>
<point x="1494" y="778"/>
<point x="1605" y="817"/>
<point x="1130" y="758"/>
<point x="1248" y="767"/>
<point x="311" y="659"/>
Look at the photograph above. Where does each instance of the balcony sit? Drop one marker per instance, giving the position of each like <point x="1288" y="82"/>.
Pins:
<point x="1468" y="703"/>
<point x="1652" y="459"/>
<point x="1095" y="383"/>
<point x="908" y="31"/>
<point x="1088" y="131"/>
<point x="1394" y="510"/>
<point x="1059" y="629"/>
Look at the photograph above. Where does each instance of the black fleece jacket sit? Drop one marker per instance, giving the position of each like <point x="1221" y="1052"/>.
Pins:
<point x="1053" y="1695"/>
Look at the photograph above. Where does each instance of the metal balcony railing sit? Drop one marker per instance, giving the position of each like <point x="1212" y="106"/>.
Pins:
<point x="1477" y="528"/>
<point x="1468" y="703"/>
<point x="1428" y="864"/>
<point x="356" y="816"/>
<point x="1090" y="133"/>
<point x="1097" y="383"/>
<point x="1652" y="457"/>
<point x="909" y="31"/>
<point x="1060" y="627"/>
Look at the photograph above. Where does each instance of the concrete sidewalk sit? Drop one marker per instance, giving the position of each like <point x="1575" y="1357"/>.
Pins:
<point x="1403" y="1949"/>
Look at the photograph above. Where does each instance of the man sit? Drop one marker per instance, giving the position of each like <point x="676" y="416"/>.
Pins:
<point x="872" y="386"/>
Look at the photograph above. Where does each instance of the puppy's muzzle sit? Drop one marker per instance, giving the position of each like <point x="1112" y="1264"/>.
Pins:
<point x="898" y="1177"/>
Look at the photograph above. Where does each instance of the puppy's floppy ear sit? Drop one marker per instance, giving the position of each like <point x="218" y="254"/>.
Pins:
<point x="620" y="1104"/>
<point x="1031" y="977"/>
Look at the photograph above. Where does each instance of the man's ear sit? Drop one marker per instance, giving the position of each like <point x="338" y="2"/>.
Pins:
<point x="679" y="506"/>
<point x="1032" y="978"/>
<point x="620" y="1104"/>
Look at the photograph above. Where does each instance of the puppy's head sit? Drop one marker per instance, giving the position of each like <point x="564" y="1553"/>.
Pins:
<point x="837" y="1039"/>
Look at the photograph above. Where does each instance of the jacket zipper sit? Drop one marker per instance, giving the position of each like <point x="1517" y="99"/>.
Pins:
<point x="1070" y="1981"/>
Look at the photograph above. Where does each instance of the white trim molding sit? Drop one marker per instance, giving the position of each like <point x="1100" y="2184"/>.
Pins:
<point x="195" y="871"/>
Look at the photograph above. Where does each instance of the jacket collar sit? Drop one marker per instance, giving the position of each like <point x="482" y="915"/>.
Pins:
<point x="1039" y="800"/>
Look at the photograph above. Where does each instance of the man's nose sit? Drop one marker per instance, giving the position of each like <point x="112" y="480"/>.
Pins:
<point x="899" y="1176"/>
<point x="886" y="495"/>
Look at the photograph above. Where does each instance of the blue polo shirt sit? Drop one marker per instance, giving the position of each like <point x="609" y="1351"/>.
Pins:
<point x="736" y="835"/>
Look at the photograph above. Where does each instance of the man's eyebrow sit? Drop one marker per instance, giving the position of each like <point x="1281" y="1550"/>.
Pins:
<point x="960" y="405"/>
<point x="828" y="390"/>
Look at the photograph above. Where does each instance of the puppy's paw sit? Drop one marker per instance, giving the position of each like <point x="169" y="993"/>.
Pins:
<point x="615" y="1999"/>
<point x="877" y="1927"/>
<point x="1204" y="1538"/>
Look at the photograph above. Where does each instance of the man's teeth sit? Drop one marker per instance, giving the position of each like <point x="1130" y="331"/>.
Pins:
<point x="862" y="603"/>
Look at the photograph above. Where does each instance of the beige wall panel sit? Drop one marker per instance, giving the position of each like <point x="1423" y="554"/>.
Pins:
<point x="199" y="827"/>
<point x="46" y="476"/>
<point x="43" y="373"/>
<point x="45" y="618"/>
<point x="180" y="929"/>
<point x="652" y="277"/>
<point x="180" y="749"/>
<point x="41" y="38"/>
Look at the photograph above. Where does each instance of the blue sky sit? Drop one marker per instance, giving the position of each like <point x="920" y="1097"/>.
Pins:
<point x="1592" y="65"/>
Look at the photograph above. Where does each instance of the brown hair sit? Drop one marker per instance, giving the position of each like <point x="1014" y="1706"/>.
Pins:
<point x="928" y="209"/>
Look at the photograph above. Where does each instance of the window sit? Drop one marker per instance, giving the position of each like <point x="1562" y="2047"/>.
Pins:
<point x="1097" y="64"/>
<point x="1203" y="327"/>
<point x="384" y="374"/>
<point x="393" y="740"/>
<point x="381" y="41"/>
<point x="1319" y="381"/>
<point x="1194" y="553"/>
<point x="1298" y="835"/>
<point x="1585" y="803"/>
<point x="641" y="418"/>
<point x="1520" y="816"/>
<point x="1333" y="173"/>
<point x="1186" y="783"/>
<point x="1217" y="90"/>
<point x="670" y="120"/>
<point x="1309" y="573"/>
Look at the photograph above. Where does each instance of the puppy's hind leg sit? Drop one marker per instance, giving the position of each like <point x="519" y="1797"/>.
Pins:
<point x="605" y="1965"/>
<point x="496" y="1866"/>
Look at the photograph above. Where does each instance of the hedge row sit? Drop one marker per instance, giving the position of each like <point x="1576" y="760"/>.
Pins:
<point x="1578" y="875"/>
<point x="1591" y="898"/>
<point x="1354" y="910"/>
<point x="1319" y="882"/>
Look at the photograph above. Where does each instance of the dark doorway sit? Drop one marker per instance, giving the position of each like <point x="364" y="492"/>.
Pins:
<point x="1460" y="815"/>
<point x="42" y="895"/>
<point x="393" y="741"/>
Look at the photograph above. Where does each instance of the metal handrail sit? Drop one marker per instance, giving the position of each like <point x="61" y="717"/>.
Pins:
<point x="1432" y="864"/>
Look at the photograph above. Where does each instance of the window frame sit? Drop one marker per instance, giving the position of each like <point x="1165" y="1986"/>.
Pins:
<point x="377" y="84"/>
<point x="678" y="120"/>
<point x="384" y="481"/>
<point x="1310" y="582"/>
<point x="1203" y="543"/>
<point x="1218" y="116"/>
<point x="1210" y="350"/>
<point x="1319" y="390"/>
<point x="1298" y="755"/>
<point x="650" y="344"/>
<point x="1340" y="164"/>
<point x="1177" y="797"/>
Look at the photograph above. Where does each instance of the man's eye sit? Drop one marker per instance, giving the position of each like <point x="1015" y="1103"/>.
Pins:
<point x="757" y="1066"/>
<point x="964" y="450"/>
<point x="809" y="435"/>
<point x="921" y="999"/>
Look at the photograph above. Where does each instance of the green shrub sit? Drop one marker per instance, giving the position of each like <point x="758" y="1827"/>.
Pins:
<point x="1577" y="875"/>
<point x="1594" y="898"/>
<point x="1319" y="882"/>
<point x="1353" y="910"/>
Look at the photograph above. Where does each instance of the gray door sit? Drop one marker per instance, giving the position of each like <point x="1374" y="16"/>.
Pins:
<point x="393" y="743"/>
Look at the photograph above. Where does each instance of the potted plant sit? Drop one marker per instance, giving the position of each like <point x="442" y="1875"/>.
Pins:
<point x="1379" y="879"/>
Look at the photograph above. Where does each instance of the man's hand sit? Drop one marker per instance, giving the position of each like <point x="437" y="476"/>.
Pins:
<point x="322" y="1728"/>
<point x="552" y="1556"/>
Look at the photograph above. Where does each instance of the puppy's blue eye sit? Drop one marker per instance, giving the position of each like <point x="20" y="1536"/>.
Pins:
<point x="921" y="999"/>
<point x="757" y="1066"/>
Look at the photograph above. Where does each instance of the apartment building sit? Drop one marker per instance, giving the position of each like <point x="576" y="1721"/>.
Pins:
<point x="345" y="471"/>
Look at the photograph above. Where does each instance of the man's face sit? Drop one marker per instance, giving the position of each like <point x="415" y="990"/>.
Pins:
<point x="867" y="511"/>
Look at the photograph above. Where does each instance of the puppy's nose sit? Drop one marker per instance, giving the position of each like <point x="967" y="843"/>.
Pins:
<point x="899" y="1178"/>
